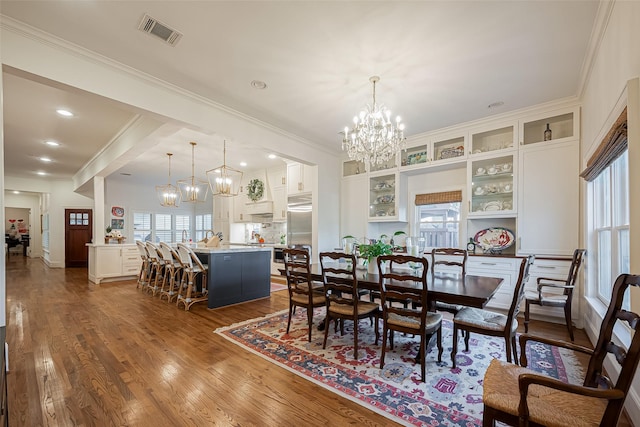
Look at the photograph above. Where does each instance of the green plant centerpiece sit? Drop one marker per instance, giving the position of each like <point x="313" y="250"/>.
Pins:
<point x="255" y="190"/>
<point x="371" y="251"/>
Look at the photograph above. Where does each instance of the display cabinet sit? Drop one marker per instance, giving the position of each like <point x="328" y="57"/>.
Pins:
<point x="448" y="149"/>
<point x="492" y="185"/>
<point x="388" y="165"/>
<point x="491" y="139"/>
<point x="563" y="125"/>
<point x="352" y="168"/>
<point x="387" y="197"/>
<point x="416" y="155"/>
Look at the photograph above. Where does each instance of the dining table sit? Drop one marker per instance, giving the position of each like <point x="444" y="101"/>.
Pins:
<point x="452" y="288"/>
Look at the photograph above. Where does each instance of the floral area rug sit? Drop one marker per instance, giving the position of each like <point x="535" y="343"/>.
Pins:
<point x="448" y="397"/>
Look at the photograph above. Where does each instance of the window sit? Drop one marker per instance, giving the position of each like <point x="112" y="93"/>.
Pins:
<point x="142" y="226"/>
<point x="439" y="224"/>
<point x="163" y="230"/>
<point x="610" y="219"/>
<point x="203" y="223"/>
<point x="183" y="228"/>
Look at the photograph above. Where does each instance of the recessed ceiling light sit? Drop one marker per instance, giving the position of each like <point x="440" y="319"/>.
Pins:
<point x="272" y="156"/>
<point x="243" y="164"/>
<point x="41" y="173"/>
<point x="16" y="192"/>
<point x="258" y="84"/>
<point x="65" y="113"/>
<point x="52" y="143"/>
<point x="496" y="104"/>
<point x="45" y="159"/>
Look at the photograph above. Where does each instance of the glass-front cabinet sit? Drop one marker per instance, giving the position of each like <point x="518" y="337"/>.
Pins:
<point x="389" y="164"/>
<point x="353" y="167"/>
<point x="387" y="197"/>
<point x="556" y="126"/>
<point x="416" y="155"/>
<point x="448" y="149"/>
<point x="492" y="186"/>
<point x="493" y="139"/>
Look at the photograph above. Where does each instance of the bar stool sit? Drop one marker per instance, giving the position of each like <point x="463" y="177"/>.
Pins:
<point x="155" y="268"/>
<point x="192" y="268"/>
<point x="144" y="268"/>
<point x="172" y="271"/>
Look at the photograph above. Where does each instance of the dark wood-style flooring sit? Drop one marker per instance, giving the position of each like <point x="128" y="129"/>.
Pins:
<point x="82" y="354"/>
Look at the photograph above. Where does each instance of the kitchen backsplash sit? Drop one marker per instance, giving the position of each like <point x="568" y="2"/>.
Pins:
<point x="271" y="232"/>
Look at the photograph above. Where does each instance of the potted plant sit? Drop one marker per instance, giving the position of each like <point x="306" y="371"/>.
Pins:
<point x="370" y="252"/>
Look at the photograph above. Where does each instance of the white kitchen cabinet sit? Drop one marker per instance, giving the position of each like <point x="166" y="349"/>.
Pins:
<point x="353" y="168"/>
<point x="221" y="208"/>
<point x="387" y="197"/>
<point x="449" y="147"/>
<point x="492" y="185"/>
<point x="300" y="178"/>
<point x="390" y="164"/>
<point x="239" y="206"/>
<point x="506" y="268"/>
<point x="114" y="262"/>
<point x="280" y="204"/>
<point x="276" y="177"/>
<point x="415" y="155"/>
<point x="549" y="203"/>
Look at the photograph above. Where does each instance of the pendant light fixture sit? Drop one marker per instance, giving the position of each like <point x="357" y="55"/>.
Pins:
<point x="168" y="195"/>
<point x="224" y="181"/>
<point x="374" y="138"/>
<point x="192" y="189"/>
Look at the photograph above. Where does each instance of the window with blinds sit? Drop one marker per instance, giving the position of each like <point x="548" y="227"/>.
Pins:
<point x="202" y="224"/>
<point x="163" y="231"/>
<point x="183" y="222"/>
<point x="141" y="226"/>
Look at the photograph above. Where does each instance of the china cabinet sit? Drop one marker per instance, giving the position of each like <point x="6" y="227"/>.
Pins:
<point x="491" y="138"/>
<point x="387" y="197"/>
<point x="492" y="185"/>
<point x="447" y="148"/>
<point x="563" y="126"/>
<point x="385" y="166"/>
<point x="414" y="155"/>
<point x="353" y="168"/>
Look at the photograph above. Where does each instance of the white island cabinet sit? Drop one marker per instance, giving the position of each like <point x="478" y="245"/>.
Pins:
<point x="113" y="262"/>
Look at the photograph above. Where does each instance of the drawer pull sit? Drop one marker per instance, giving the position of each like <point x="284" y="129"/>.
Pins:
<point x="488" y="263"/>
<point x="550" y="267"/>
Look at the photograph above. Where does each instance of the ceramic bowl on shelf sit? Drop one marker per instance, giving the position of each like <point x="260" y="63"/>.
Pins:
<point x="479" y="191"/>
<point x="481" y="171"/>
<point x="492" y="170"/>
<point x="507" y="167"/>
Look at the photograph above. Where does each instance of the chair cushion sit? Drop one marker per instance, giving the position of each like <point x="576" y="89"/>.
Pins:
<point x="484" y="319"/>
<point x="414" y="322"/>
<point x="449" y="308"/>
<point x="316" y="286"/>
<point x="303" y="299"/>
<point x="347" y="310"/>
<point x="548" y="298"/>
<point x="546" y="406"/>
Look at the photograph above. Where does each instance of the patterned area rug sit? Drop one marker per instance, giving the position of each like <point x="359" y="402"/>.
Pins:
<point x="449" y="397"/>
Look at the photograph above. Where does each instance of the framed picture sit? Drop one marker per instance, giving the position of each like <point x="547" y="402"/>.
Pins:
<point x="117" y="211"/>
<point x="117" y="224"/>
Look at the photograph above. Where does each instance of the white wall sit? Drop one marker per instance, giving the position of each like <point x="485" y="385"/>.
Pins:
<point x="616" y="61"/>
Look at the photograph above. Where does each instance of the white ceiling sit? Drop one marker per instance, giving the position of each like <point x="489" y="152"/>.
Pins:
<point x="440" y="63"/>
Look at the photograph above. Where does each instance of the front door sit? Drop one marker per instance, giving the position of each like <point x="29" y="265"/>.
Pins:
<point x="77" y="233"/>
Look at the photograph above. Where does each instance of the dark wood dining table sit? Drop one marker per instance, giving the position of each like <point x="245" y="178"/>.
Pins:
<point x="451" y="288"/>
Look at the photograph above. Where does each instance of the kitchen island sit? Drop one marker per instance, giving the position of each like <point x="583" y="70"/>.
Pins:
<point x="236" y="273"/>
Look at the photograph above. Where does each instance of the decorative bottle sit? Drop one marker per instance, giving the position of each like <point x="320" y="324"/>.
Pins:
<point x="547" y="133"/>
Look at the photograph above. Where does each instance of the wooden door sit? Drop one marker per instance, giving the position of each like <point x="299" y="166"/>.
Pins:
<point x="77" y="233"/>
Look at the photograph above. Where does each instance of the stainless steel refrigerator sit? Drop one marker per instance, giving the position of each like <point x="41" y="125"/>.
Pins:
<point x="298" y="228"/>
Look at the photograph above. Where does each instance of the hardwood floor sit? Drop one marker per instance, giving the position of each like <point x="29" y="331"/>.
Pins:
<point x="97" y="355"/>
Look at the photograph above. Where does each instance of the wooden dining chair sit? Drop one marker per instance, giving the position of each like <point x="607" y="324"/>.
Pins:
<point x="562" y="299"/>
<point x="303" y="291"/>
<point x="518" y="396"/>
<point x="401" y="289"/>
<point x="342" y="296"/>
<point x="189" y="293"/>
<point x="173" y="269"/>
<point x="453" y="259"/>
<point x="491" y="323"/>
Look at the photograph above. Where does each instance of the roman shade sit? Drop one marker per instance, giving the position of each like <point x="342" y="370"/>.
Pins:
<point x="443" y="197"/>
<point x="612" y="146"/>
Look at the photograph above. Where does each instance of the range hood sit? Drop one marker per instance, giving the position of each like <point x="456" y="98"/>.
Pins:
<point x="259" y="208"/>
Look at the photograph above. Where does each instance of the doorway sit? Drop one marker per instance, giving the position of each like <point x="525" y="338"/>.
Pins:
<point x="77" y="233"/>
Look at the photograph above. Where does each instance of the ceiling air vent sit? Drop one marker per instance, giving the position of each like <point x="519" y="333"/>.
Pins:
<point x="156" y="28"/>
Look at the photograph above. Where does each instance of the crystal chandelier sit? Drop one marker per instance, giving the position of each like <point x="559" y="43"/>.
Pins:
<point x="168" y="195"/>
<point x="224" y="181"/>
<point x="192" y="189"/>
<point x="374" y="138"/>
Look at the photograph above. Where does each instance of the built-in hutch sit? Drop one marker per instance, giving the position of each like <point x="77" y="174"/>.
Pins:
<point x="518" y="176"/>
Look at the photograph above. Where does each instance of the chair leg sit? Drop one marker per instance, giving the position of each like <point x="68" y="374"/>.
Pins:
<point x="355" y="338"/>
<point x="514" y="346"/>
<point x="377" y="328"/>
<point x="290" y="314"/>
<point x="424" y="343"/>
<point x="508" y="348"/>
<point x="439" y="337"/>
<point x="326" y="330"/>
<point x="454" y="348"/>
<point x="385" y="332"/>
<point x="488" y="419"/>
<point x="467" y="336"/>
<point x="526" y="316"/>
<point x="567" y="318"/>
<point x="310" y="320"/>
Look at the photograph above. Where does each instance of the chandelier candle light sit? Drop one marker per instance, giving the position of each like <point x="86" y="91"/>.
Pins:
<point x="224" y="181"/>
<point x="192" y="189"/>
<point x="168" y="195"/>
<point x="374" y="138"/>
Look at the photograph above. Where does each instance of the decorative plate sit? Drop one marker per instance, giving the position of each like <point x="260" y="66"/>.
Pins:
<point x="117" y="211"/>
<point x="494" y="238"/>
